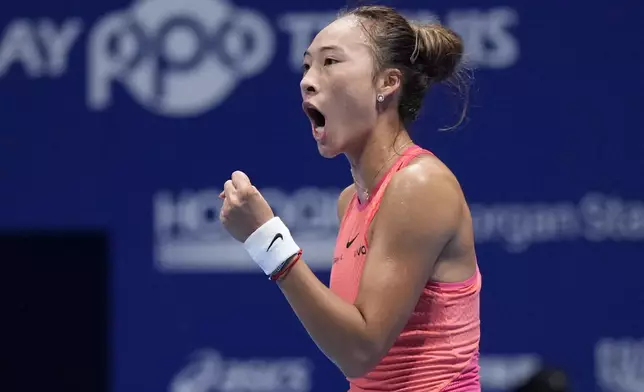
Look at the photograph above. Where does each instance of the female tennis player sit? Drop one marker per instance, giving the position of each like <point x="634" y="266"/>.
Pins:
<point x="402" y="309"/>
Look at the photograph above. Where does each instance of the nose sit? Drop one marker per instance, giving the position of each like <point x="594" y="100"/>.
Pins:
<point x="308" y="85"/>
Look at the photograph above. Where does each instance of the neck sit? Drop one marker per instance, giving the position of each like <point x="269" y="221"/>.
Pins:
<point x="371" y="161"/>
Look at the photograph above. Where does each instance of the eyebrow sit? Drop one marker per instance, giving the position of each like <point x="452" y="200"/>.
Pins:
<point x="323" y="49"/>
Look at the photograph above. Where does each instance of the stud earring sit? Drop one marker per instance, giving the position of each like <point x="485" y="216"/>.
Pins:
<point x="380" y="98"/>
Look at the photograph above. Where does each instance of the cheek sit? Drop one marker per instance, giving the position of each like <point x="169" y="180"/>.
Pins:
<point x="356" y="99"/>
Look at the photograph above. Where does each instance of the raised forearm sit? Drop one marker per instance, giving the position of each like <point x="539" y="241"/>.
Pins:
<point x="337" y="327"/>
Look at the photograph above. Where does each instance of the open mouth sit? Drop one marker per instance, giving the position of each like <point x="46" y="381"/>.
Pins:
<point x="317" y="118"/>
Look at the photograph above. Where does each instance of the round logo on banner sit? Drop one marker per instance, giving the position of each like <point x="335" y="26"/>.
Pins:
<point x="177" y="58"/>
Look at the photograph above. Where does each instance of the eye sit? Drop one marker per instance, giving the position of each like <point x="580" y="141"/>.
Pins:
<point x="329" y="61"/>
<point x="305" y="67"/>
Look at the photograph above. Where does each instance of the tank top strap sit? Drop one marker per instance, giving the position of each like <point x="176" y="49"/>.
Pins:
<point x="409" y="155"/>
<point x="405" y="158"/>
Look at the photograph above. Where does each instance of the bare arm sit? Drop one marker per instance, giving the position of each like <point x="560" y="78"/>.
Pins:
<point x="417" y="217"/>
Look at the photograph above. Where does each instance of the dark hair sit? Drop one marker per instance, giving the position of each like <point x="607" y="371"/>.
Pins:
<point x="425" y="54"/>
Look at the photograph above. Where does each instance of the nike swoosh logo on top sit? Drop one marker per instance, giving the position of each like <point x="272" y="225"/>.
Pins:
<point x="277" y="236"/>
<point x="351" y="242"/>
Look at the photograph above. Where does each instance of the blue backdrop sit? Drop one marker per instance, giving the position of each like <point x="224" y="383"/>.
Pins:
<point x="129" y="116"/>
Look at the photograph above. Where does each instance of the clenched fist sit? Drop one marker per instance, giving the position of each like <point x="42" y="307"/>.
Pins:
<point x="244" y="209"/>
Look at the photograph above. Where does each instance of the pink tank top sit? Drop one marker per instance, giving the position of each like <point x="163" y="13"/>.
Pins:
<point x="438" y="348"/>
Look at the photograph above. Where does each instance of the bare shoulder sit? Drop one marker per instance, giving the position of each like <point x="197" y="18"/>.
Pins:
<point x="344" y="199"/>
<point x="424" y="196"/>
<point x="426" y="173"/>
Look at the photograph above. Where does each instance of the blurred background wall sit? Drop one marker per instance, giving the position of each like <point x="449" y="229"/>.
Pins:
<point x="124" y="118"/>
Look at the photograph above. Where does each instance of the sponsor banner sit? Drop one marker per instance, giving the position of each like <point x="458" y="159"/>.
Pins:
<point x="208" y="371"/>
<point x="189" y="237"/>
<point x="183" y="59"/>
<point x="619" y="364"/>
<point x="507" y="372"/>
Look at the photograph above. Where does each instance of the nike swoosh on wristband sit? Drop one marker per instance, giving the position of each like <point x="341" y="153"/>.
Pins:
<point x="277" y="236"/>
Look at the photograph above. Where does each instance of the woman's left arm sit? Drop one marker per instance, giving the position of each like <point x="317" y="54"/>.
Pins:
<point x="418" y="215"/>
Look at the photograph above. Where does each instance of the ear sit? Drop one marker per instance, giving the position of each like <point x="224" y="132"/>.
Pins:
<point x="389" y="82"/>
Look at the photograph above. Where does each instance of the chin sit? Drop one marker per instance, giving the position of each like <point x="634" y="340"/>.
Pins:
<point x="329" y="145"/>
<point x="327" y="152"/>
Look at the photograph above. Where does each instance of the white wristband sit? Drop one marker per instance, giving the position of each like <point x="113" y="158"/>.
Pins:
<point x="271" y="245"/>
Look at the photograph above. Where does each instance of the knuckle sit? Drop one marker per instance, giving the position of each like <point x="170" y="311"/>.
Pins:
<point x="250" y="192"/>
<point x="245" y="194"/>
